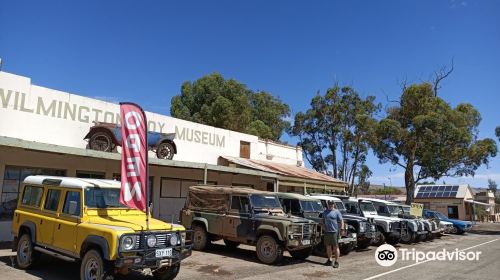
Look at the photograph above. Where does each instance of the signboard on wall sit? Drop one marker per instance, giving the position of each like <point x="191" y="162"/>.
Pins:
<point x="55" y="117"/>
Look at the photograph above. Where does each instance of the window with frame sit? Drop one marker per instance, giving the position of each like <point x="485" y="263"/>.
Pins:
<point x="72" y="203"/>
<point x="13" y="177"/>
<point x="240" y="204"/>
<point x="32" y="196"/>
<point x="52" y="200"/>
<point x="90" y="174"/>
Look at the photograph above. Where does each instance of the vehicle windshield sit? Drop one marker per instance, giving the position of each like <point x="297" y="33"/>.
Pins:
<point x="367" y="207"/>
<point x="311" y="206"/>
<point x="394" y="210"/>
<point x="102" y="198"/>
<point x="340" y="206"/>
<point x="440" y="216"/>
<point x="406" y="209"/>
<point x="264" y="201"/>
<point x="352" y="207"/>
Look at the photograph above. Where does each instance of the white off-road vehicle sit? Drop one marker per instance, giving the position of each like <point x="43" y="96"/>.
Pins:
<point x="389" y="229"/>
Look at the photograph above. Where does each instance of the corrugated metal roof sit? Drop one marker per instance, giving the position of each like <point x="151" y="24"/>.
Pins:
<point x="282" y="169"/>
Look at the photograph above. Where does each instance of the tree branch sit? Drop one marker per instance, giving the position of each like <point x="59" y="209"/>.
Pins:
<point x="442" y="74"/>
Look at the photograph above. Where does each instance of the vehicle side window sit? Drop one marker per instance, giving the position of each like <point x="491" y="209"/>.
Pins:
<point x="240" y="204"/>
<point x="72" y="204"/>
<point x="295" y="206"/>
<point x="285" y="203"/>
<point x="32" y="196"/>
<point x="235" y="203"/>
<point x="52" y="200"/>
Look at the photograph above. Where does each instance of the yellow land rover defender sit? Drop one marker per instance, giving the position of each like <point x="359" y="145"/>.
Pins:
<point x="82" y="220"/>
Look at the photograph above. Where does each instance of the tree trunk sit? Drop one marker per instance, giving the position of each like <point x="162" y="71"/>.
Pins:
<point x="409" y="182"/>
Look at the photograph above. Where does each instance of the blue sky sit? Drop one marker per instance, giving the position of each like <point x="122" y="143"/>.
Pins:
<point x="142" y="51"/>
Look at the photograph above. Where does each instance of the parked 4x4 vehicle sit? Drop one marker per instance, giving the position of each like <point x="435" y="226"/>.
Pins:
<point x="430" y="226"/>
<point x="246" y="216"/>
<point x="415" y="229"/>
<point x="389" y="229"/>
<point x="311" y="208"/>
<point x="107" y="136"/>
<point x="360" y="228"/>
<point x="459" y="227"/>
<point x="82" y="220"/>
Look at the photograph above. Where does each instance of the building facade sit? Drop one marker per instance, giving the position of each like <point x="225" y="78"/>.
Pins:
<point x="42" y="132"/>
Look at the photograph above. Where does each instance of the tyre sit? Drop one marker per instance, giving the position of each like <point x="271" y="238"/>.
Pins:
<point x="165" y="151"/>
<point x="26" y="257"/>
<point x="346" y="249"/>
<point x="200" y="238"/>
<point x="363" y="244"/>
<point x="167" y="273"/>
<point x="231" y="244"/>
<point x="408" y="238"/>
<point x="269" y="251"/>
<point x="429" y="236"/>
<point x="320" y="250"/>
<point x="101" y="141"/>
<point x="379" y="238"/>
<point x="93" y="267"/>
<point x="301" y="254"/>
<point x="392" y="240"/>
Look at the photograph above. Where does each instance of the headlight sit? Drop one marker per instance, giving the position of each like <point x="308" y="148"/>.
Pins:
<point x="373" y="228"/>
<point x="362" y="227"/>
<point x="294" y="229"/>
<point x="174" y="239"/>
<point x="128" y="242"/>
<point x="151" y="241"/>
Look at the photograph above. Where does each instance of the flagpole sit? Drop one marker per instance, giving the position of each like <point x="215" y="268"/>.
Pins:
<point x="147" y="170"/>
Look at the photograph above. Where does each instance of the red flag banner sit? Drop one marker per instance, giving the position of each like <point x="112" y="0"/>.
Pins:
<point x="134" y="156"/>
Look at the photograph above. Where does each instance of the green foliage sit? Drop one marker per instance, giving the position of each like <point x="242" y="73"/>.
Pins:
<point x="492" y="186"/>
<point x="229" y="104"/>
<point x="429" y="139"/>
<point x="334" y="133"/>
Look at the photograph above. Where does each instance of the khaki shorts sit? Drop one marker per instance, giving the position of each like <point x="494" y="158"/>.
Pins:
<point x="331" y="239"/>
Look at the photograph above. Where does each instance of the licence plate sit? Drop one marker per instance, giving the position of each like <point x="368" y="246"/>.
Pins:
<point x="306" y="242"/>
<point x="167" y="252"/>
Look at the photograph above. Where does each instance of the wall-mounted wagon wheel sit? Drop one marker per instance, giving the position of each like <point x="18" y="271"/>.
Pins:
<point x="101" y="141"/>
<point x="165" y="151"/>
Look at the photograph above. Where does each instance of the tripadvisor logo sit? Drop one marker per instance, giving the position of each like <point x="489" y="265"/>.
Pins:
<point x="387" y="255"/>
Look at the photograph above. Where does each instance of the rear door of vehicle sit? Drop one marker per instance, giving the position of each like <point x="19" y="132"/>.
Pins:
<point x="65" y="228"/>
<point x="50" y="209"/>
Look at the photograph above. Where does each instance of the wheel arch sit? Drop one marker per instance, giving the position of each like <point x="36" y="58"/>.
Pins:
<point x="95" y="242"/>
<point x="200" y="221"/>
<point x="28" y="227"/>
<point x="267" y="229"/>
<point x="94" y="130"/>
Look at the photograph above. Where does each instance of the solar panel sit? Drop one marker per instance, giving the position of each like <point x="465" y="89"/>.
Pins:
<point x="438" y="191"/>
<point x="435" y="188"/>
<point x="448" y="188"/>
<point x="441" y="188"/>
<point x="419" y="195"/>
<point x="453" y="194"/>
<point x="454" y="188"/>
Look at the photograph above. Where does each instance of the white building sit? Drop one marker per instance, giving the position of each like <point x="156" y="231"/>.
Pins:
<point x="42" y="131"/>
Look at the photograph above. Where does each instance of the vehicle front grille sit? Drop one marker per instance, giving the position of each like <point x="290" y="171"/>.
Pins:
<point x="396" y="226"/>
<point x="162" y="240"/>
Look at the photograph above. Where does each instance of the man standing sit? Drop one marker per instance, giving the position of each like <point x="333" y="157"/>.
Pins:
<point x="331" y="220"/>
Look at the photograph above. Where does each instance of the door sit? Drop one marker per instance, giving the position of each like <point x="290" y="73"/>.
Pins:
<point x="237" y="223"/>
<point x="453" y="212"/>
<point x="50" y="208"/>
<point x="65" y="227"/>
<point x="244" y="149"/>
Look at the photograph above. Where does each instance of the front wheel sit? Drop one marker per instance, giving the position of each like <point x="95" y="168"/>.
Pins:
<point x="165" y="151"/>
<point x="167" y="273"/>
<point x="346" y="249"/>
<point x="363" y="244"/>
<point x="26" y="256"/>
<point x="200" y="238"/>
<point x="408" y="238"/>
<point x="92" y="266"/>
<point x="301" y="254"/>
<point x="268" y="249"/>
<point x="379" y="238"/>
